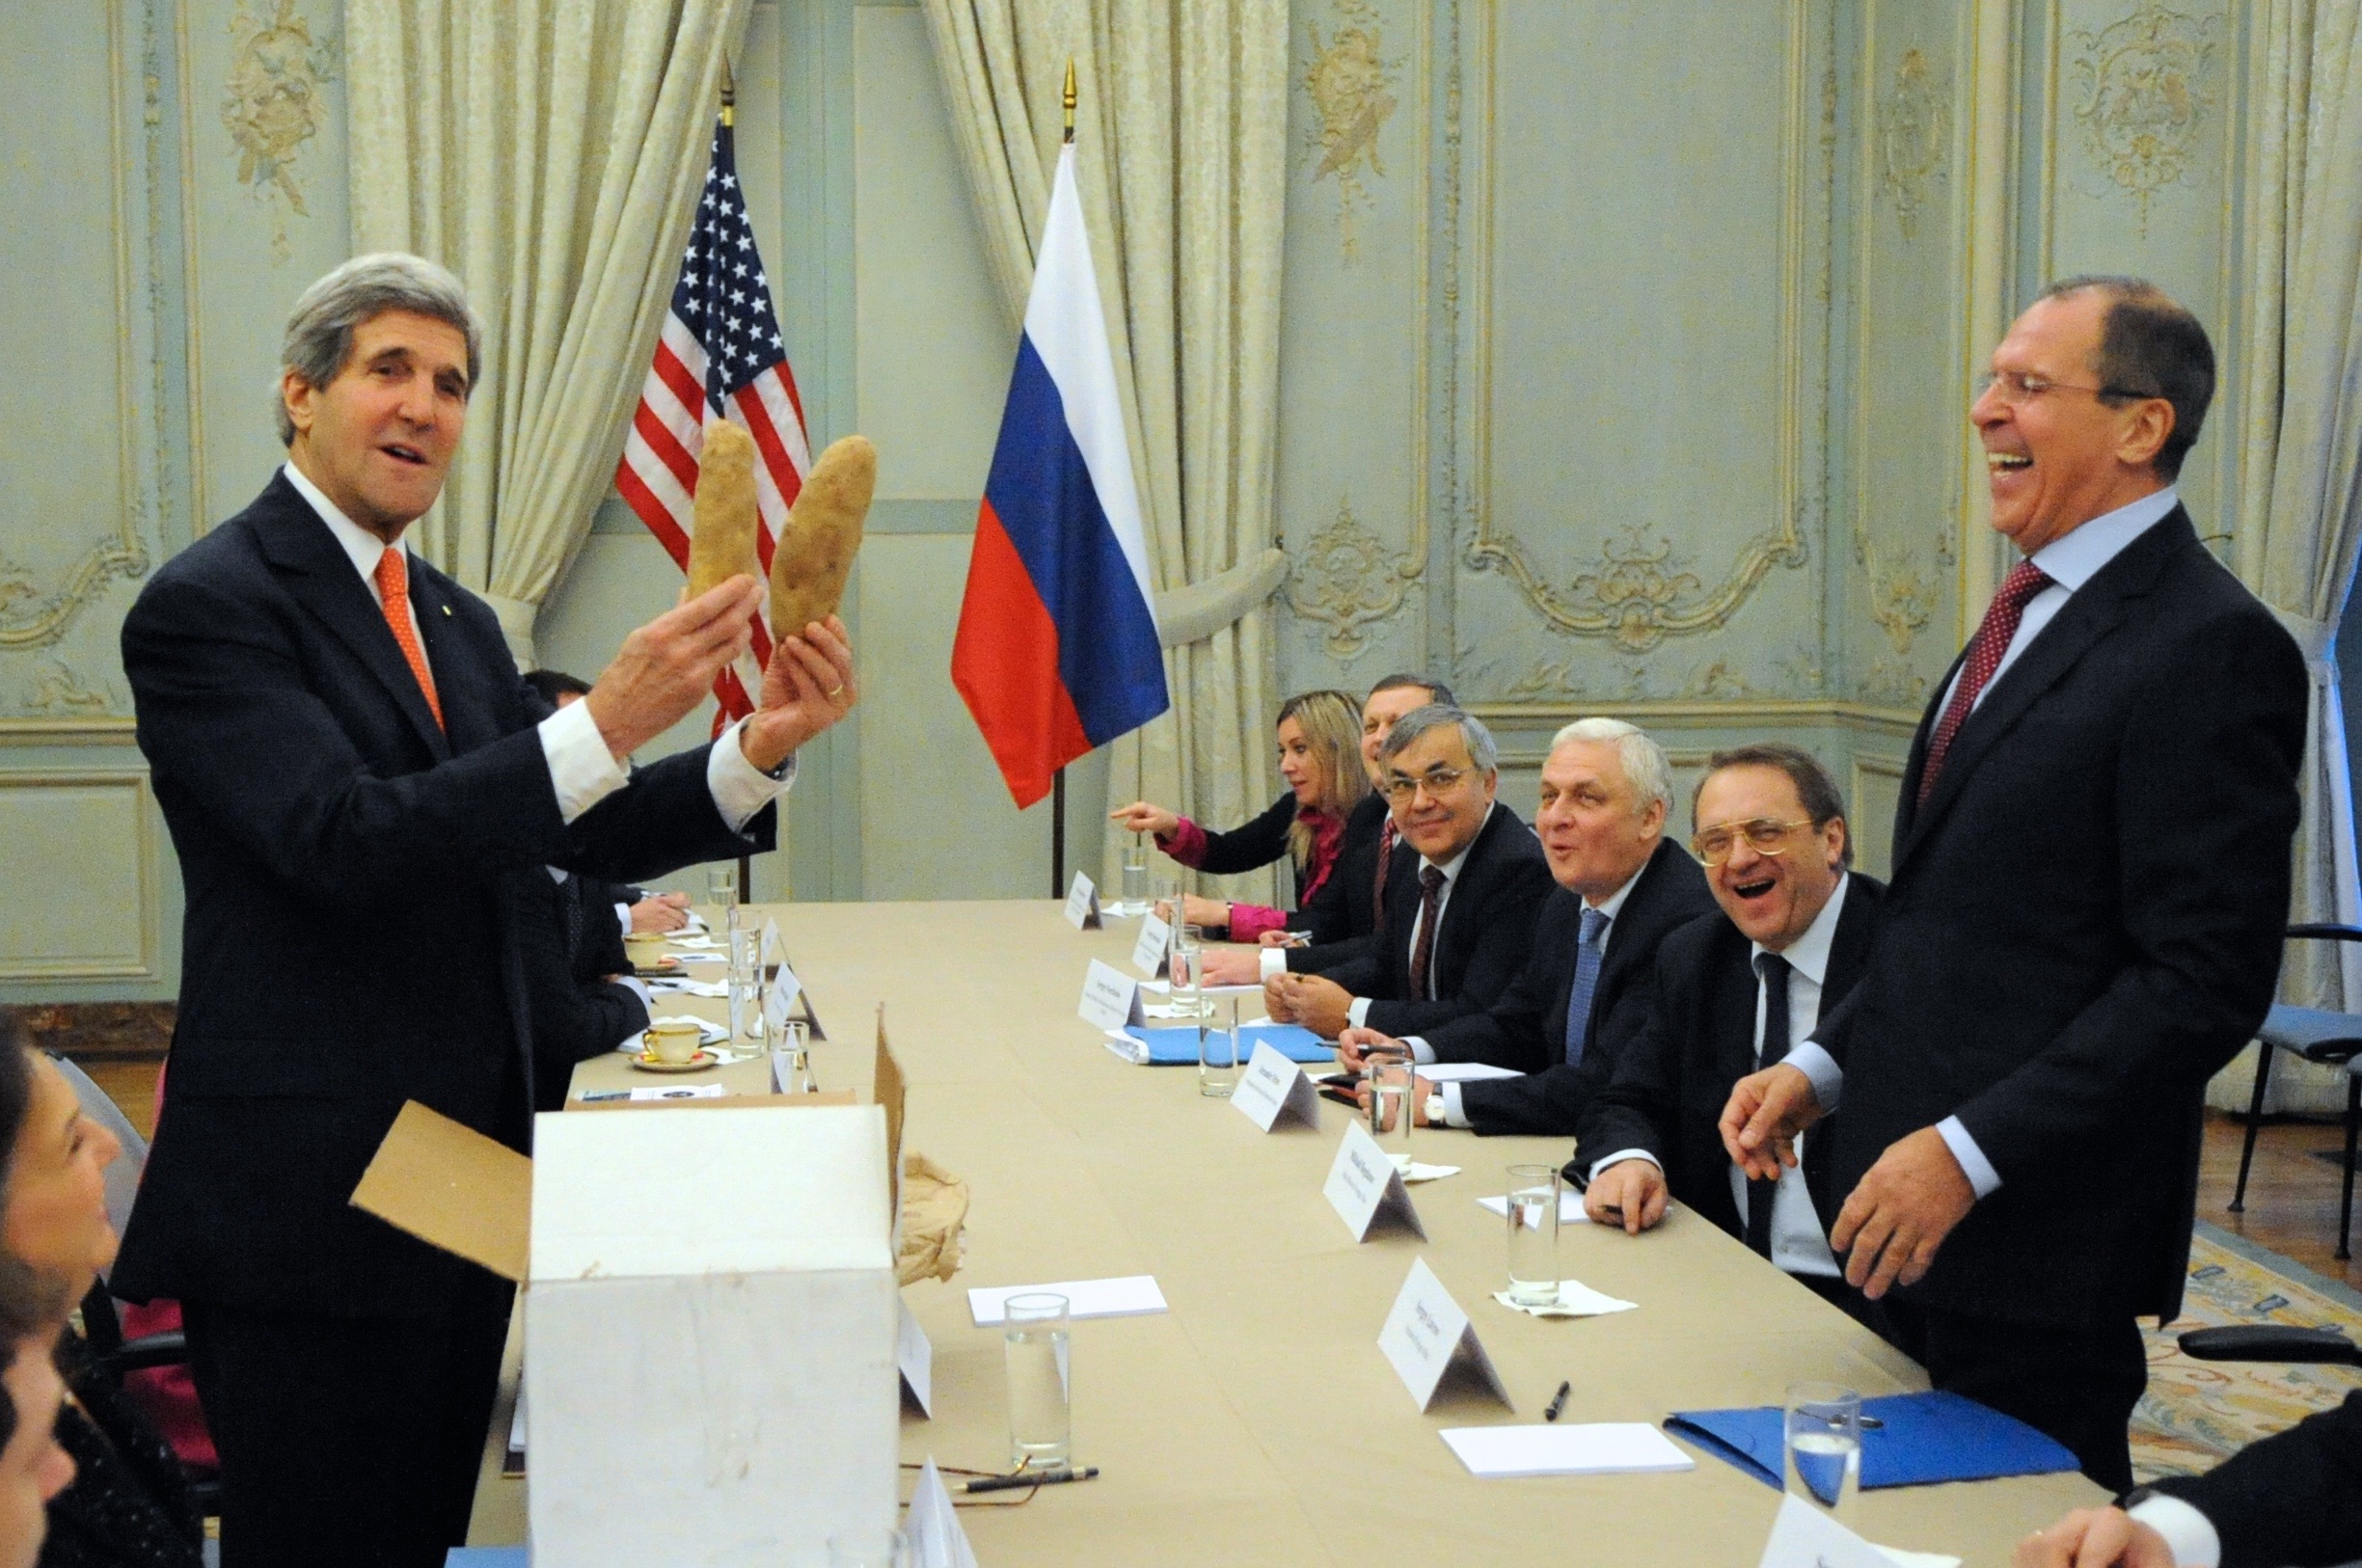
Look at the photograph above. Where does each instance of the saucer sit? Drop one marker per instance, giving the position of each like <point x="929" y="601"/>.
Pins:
<point x="702" y="1060"/>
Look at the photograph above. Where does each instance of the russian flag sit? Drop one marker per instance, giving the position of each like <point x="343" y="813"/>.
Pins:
<point x="1057" y="649"/>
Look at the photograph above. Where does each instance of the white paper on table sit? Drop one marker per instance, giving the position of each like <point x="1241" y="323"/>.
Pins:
<point x="1595" y="1448"/>
<point x="1805" y="1537"/>
<point x="1414" y="1172"/>
<point x="1464" y="1072"/>
<point x="1917" y="1560"/>
<point x="1574" y="1298"/>
<point x="676" y="939"/>
<point x="700" y="987"/>
<point x="1134" y="1295"/>
<point x="914" y="1355"/>
<point x="662" y="1091"/>
<point x="937" y="1539"/>
<point x="1570" y="1208"/>
<point x="702" y="958"/>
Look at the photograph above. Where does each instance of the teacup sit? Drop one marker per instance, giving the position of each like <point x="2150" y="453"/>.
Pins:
<point x="645" y="949"/>
<point x="672" y="1044"/>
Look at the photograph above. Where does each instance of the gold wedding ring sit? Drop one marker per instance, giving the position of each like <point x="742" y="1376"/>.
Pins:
<point x="834" y="692"/>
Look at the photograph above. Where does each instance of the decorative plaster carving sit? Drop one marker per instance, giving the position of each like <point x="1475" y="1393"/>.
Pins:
<point x="2143" y="81"/>
<point x="32" y="619"/>
<point x="1914" y="138"/>
<point x="1641" y="590"/>
<point x="272" y="106"/>
<point x="1345" y="578"/>
<point x="1902" y="598"/>
<point x="60" y="693"/>
<point x="1350" y="84"/>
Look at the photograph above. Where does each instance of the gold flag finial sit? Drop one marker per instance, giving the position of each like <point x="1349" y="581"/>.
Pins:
<point x="729" y="94"/>
<point x="1070" y="97"/>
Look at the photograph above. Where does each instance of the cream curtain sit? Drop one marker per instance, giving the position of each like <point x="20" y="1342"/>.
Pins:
<point x="1182" y="133"/>
<point x="549" y="152"/>
<point x="2299" y="451"/>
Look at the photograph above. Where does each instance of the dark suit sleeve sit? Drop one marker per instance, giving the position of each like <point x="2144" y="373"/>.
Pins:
<point x="573" y="1021"/>
<point x="1329" y="958"/>
<point x="2291" y="1501"/>
<point x="2206" y="799"/>
<point x="1635" y="1104"/>
<point x="1508" y="1033"/>
<point x="1501" y="940"/>
<point x="1327" y="916"/>
<point x="1255" y="844"/>
<point x="1550" y="1103"/>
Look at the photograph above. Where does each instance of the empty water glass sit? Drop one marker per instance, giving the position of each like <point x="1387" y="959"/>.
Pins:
<point x="1822" y="1445"/>
<point x="1040" y="1367"/>
<point x="791" y="1065"/>
<point x="1533" y="1234"/>
<point x="1218" y="1054"/>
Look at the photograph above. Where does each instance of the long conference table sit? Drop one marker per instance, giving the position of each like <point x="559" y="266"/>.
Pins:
<point x="1257" y="1422"/>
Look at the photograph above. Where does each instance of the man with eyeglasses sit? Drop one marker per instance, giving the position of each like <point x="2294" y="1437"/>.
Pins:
<point x="1460" y="899"/>
<point x="1621" y="886"/>
<point x="2083" y="920"/>
<point x="1728" y="996"/>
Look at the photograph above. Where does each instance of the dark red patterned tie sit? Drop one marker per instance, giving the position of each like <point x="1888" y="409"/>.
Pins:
<point x="1386" y="855"/>
<point x="1422" y="951"/>
<point x="2000" y="624"/>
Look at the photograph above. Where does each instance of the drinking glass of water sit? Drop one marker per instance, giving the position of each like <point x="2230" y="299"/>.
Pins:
<point x="791" y="1068"/>
<point x="1188" y="972"/>
<point x="1034" y="1340"/>
<point x="1824" y="1446"/>
<point x="1218" y="1054"/>
<point x="1392" y="1075"/>
<point x="1135" y="878"/>
<point x="1533" y="1234"/>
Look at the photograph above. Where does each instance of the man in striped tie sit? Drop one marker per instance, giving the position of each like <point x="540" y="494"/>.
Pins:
<point x="2083" y="920"/>
<point x="354" y="773"/>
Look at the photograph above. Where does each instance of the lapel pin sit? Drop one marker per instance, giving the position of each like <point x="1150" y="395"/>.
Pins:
<point x="446" y="610"/>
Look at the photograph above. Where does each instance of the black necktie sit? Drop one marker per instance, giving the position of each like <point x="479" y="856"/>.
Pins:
<point x="1759" y="1194"/>
<point x="1430" y="899"/>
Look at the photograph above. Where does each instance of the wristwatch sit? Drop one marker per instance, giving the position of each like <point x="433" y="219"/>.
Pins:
<point x="1433" y="1110"/>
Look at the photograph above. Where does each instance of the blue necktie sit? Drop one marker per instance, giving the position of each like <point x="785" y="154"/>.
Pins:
<point x="1587" y="981"/>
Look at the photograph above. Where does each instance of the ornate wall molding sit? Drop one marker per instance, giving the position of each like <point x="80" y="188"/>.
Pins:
<point x="1347" y="579"/>
<point x="2142" y="96"/>
<point x="132" y="836"/>
<point x="1914" y="138"/>
<point x="1350" y="84"/>
<point x="1639" y="590"/>
<point x="1872" y="719"/>
<point x="271" y="106"/>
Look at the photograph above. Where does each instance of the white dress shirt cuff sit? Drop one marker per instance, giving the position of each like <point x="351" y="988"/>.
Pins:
<point x="1422" y="1053"/>
<point x="581" y="769"/>
<point x="2188" y="1534"/>
<point x="1972" y="1162"/>
<point x="1827" y="1078"/>
<point x="739" y="787"/>
<point x="1453" y="1116"/>
<point x="1358" y="1014"/>
<point x="1618" y="1158"/>
<point x="1273" y="963"/>
<point x="623" y="917"/>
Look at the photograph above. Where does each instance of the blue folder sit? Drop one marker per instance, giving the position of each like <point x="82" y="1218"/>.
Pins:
<point x="485" y="1556"/>
<point x="1922" y="1438"/>
<point x="1176" y="1045"/>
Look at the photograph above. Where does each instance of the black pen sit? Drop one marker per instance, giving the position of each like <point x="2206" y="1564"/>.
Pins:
<point x="1040" y="1477"/>
<point x="1557" y="1401"/>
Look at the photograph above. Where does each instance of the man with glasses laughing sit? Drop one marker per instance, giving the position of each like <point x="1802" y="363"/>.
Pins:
<point x="1461" y="892"/>
<point x="1728" y="996"/>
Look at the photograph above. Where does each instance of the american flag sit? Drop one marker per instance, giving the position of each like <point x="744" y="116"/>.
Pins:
<point x="719" y="356"/>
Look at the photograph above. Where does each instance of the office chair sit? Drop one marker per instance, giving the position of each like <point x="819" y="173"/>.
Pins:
<point x="2317" y="1034"/>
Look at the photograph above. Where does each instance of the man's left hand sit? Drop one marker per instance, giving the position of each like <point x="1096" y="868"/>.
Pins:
<point x="661" y="912"/>
<point x="2094" y="1538"/>
<point x="1315" y="1001"/>
<point x="1894" y="1220"/>
<point x="1421" y="1090"/>
<point x="807" y="687"/>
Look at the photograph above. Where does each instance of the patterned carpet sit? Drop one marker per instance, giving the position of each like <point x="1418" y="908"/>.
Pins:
<point x="2197" y="1413"/>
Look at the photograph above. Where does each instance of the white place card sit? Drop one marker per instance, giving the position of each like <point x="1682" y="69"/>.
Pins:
<point x="1148" y="954"/>
<point x="785" y="982"/>
<point x="1110" y="997"/>
<point x="1082" y="903"/>
<point x="1134" y="1295"/>
<point x="1570" y="1208"/>
<point x="936" y="1537"/>
<point x="1464" y="1073"/>
<point x="1805" y="1537"/>
<point x="1596" y="1449"/>
<point x="1364" y="1182"/>
<point x="778" y="996"/>
<point x="769" y="951"/>
<point x="915" y="1354"/>
<point x="1271" y="1087"/>
<point x="1425" y="1331"/>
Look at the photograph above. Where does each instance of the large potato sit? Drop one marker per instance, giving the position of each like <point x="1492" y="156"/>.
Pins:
<point x="823" y="534"/>
<point x="721" y="542"/>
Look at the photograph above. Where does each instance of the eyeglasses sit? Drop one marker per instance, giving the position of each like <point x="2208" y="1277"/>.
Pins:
<point x="2017" y="388"/>
<point x="1763" y="835"/>
<point x="1400" y="787"/>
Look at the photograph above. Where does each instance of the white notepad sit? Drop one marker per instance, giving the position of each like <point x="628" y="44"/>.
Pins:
<point x="1464" y="1073"/>
<point x="1134" y="1295"/>
<point x="1597" y="1448"/>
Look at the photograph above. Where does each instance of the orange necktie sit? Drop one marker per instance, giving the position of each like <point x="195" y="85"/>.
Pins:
<point x="393" y="594"/>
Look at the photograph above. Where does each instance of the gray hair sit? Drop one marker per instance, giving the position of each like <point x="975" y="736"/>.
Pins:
<point x="1643" y="761"/>
<point x="1481" y="752"/>
<point x="320" y="329"/>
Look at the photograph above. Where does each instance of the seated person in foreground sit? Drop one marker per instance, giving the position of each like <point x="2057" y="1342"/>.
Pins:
<point x="636" y="909"/>
<point x="1728" y="996"/>
<point x="2289" y="1501"/>
<point x="1621" y="886"/>
<point x="584" y="997"/>
<point x="34" y="1467"/>
<point x="1461" y="898"/>
<point x="1340" y="922"/>
<point x="1317" y="732"/>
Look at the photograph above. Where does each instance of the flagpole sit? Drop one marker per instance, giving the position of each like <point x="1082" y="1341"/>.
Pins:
<point x="1057" y="808"/>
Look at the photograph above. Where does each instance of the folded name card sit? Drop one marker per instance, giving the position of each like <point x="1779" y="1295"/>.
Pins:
<point x="1110" y="997"/>
<point x="1272" y="1088"/>
<point x="1082" y="903"/>
<point x="1427" y="1333"/>
<point x="914" y="1355"/>
<point x="1148" y="954"/>
<point x="1364" y="1183"/>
